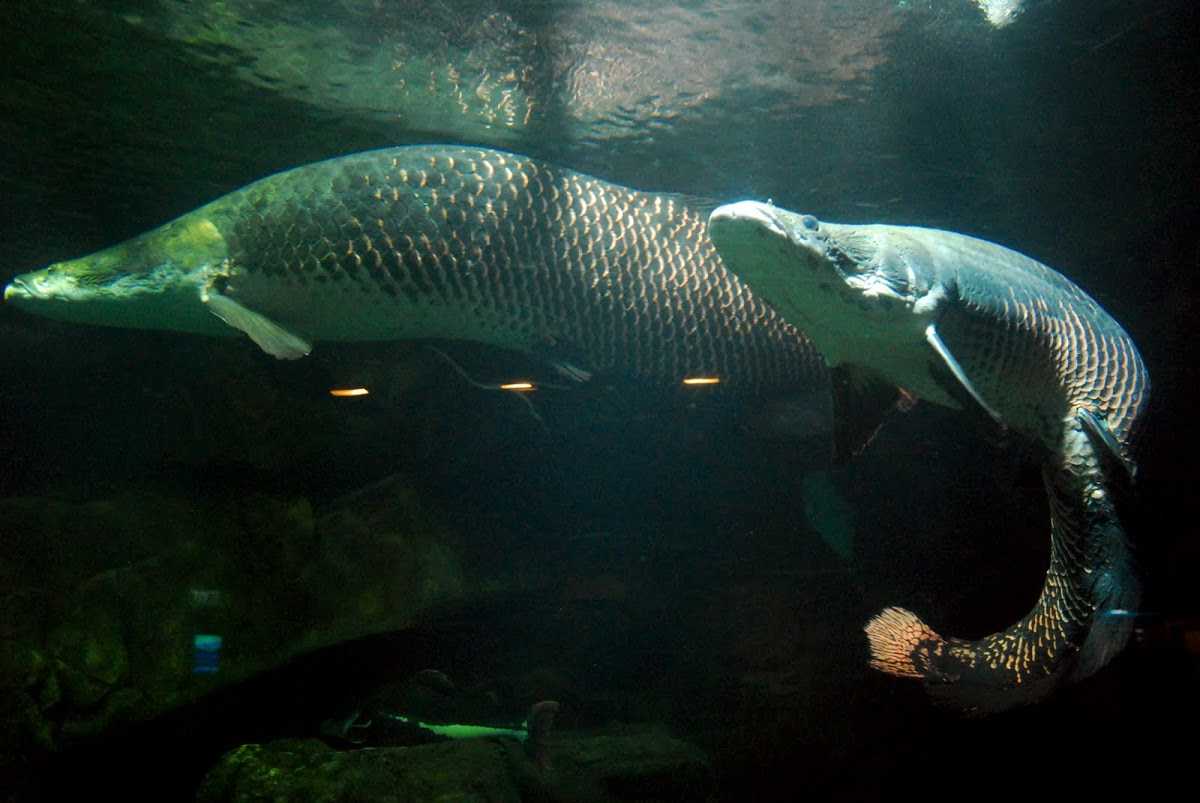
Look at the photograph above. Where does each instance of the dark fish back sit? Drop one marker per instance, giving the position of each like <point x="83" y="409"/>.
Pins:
<point x="1038" y="338"/>
<point x="550" y="260"/>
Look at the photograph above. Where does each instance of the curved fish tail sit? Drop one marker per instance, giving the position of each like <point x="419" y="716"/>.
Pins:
<point x="1081" y="621"/>
<point x="968" y="677"/>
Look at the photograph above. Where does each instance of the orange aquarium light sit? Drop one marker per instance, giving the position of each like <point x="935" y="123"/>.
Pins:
<point x="702" y="380"/>
<point x="517" y="386"/>
<point x="342" y="393"/>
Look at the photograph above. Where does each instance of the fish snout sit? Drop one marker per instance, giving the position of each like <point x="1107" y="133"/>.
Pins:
<point x="20" y="288"/>
<point x="750" y="237"/>
<point x="751" y="221"/>
<point x="760" y="241"/>
<point x="40" y="288"/>
<point x="747" y="215"/>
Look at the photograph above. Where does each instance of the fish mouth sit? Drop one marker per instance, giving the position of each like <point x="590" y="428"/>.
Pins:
<point x="747" y="222"/>
<point x="17" y="289"/>
<point x="40" y="286"/>
<point x="751" y="212"/>
<point x="759" y="241"/>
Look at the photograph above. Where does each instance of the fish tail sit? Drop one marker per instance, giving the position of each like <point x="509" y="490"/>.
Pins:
<point x="1081" y="621"/>
<point x="898" y="638"/>
<point x="969" y="678"/>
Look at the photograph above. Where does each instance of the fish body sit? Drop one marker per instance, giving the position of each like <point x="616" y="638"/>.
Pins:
<point x="385" y="726"/>
<point x="453" y="730"/>
<point x="967" y="323"/>
<point x="443" y="242"/>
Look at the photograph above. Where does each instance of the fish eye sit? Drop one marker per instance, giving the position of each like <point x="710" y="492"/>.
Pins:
<point x="809" y="222"/>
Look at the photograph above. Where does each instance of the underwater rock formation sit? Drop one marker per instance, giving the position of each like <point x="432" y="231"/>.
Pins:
<point x="310" y="770"/>
<point x="120" y="610"/>
<point x="614" y="764"/>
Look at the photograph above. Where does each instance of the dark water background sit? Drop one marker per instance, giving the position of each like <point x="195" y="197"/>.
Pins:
<point x="707" y="602"/>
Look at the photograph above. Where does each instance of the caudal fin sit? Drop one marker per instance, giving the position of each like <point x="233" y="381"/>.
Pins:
<point x="897" y="638"/>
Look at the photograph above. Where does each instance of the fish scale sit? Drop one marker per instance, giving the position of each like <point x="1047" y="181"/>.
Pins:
<point x="1027" y="322"/>
<point x="965" y="322"/>
<point x="455" y="243"/>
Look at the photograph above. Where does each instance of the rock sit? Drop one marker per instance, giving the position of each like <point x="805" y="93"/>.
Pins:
<point x="605" y="766"/>
<point x="453" y="772"/>
<point x="627" y="763"/>
<point x="109" y="596"/>
<point x="91" y="650"/>
<point x="20" y="666"/>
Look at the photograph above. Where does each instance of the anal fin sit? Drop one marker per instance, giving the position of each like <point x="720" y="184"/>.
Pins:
<point x="270" y="336"/>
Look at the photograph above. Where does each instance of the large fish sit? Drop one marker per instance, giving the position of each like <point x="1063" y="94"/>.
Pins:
<point x="963" y="322"/>
<point x="445" y="242"/>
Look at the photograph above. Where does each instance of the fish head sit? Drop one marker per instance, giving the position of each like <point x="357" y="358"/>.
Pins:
<point x="849" y="288"/>
<point x="152" y="281"/>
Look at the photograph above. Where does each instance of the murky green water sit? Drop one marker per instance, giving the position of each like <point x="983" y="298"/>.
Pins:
<point x="215" y="575"/>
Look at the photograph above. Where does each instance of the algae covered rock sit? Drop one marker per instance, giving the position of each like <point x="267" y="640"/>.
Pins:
<point x="91" y="651"/>
<point x="605" y="766"/>
<point x="129" y="607"/>
<point x="621" y="763"/>
<point x="309" y="770"/>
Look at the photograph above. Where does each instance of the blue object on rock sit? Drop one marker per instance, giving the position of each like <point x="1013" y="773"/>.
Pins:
<point x="206" y="654"/>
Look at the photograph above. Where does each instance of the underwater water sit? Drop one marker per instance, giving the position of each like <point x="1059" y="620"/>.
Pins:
<point x="221" y="581"/>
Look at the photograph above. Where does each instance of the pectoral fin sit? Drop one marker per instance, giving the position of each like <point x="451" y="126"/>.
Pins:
<point x="270" y="336"/>
<point x="960" y="376"/>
